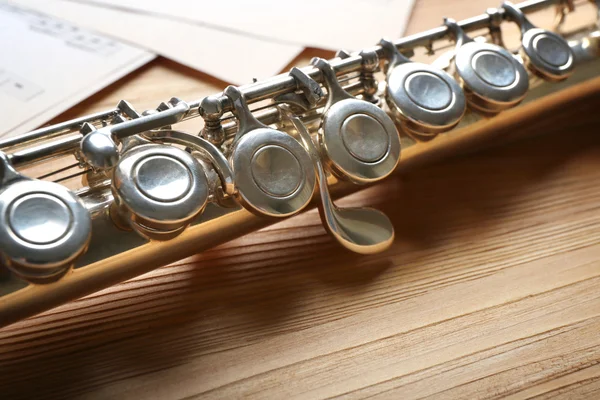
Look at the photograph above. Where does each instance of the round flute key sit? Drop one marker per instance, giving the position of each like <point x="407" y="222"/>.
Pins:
<point x="43" y="229"/>
<point x="545" y="53"/>
<point x="548" y="54"/>
<point x="494" y="68"/>
<point x="364" y="138"/>
<point x="425" y="99"/>
<point x="276" y="170"/>
<point x="362" y="230"/>
<point x="159" y="189"/>
<point x="491" y="76"/>
<point x="360" y="141"/>
<point x="272" y="171"/>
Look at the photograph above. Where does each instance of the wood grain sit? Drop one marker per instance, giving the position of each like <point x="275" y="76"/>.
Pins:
<point x="491" y="289"/>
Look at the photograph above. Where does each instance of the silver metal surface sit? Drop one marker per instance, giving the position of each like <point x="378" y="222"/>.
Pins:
<point x="359" y="139"/>
<point x="428" y="91"/>
<point x="44" y="227"/>
<point x="495" y="27"/>
<point x="361" y="230"/>
<point x="546" y="53"/>
<point x="364" y="139"/>
<point x="158" y="190"/>
<point x="99" y="147"/>
<point x="494" y="69"/>
<point x="204" y="147"/>
<point x="276" y="170"/>
<point x="491" y="76"/>
<point x="54" y="130"/>
<point x="311" y="91"/>
<point x="272" y="171"/>
<point x="425" y="99"/>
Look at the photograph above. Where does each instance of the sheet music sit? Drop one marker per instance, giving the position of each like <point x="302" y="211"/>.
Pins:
<point x="329" y="24"/>
<point x="233" y="57"/>
<point x="48" y="65"/>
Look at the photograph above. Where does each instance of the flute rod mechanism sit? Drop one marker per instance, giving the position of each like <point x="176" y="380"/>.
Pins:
<point x="262" y="90"/>
<point x="284" y="83"/>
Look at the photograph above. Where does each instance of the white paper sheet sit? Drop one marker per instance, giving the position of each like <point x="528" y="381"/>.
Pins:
<point x="329" y="24"/>
<point x="228" y="56"/>
<point x="48" y="65"/>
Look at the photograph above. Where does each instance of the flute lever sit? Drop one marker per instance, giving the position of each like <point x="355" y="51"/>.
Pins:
<point x="545" y="53"/>
<point x="99" y="146"/>
<point x="361" y="230"/>
<point x="271" y="170"/>
<point x="311" y="91"/>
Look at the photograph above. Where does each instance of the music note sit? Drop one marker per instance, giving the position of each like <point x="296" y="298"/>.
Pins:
<point x="71" y="34"/>
<point x="92" y="43"/>
<point x="49" y="64"/>
<point x="18" y="87"/>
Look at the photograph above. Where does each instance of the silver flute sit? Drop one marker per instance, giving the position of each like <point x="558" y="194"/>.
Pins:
<point x="146" y="193"/>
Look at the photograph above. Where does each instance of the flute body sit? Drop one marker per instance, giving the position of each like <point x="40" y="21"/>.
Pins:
<point x="152" y="194"/>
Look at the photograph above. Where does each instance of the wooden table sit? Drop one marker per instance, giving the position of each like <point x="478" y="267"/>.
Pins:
<point x="491" y="289"/>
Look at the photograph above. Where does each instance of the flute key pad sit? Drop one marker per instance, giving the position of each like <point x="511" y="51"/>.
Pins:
<point x="359" y="140"/>
<point x="276" y="170"/>
<point x="493" y="79"/>
<point x="44" y="227"/>
<point x="491" y="75"/>
<point x="273" y="172"/>
<point x="159" y="189"/>
<point x="548" y="54"/>
<point x="364" y="137"/>
<point x="545" y="53"/>
<point x="424" y="98"/>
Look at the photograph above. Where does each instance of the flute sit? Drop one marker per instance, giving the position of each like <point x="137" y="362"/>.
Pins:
<point x="151" y="194"/>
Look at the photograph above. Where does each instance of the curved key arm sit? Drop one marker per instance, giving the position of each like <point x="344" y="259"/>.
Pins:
<point x="205" y="147"/>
